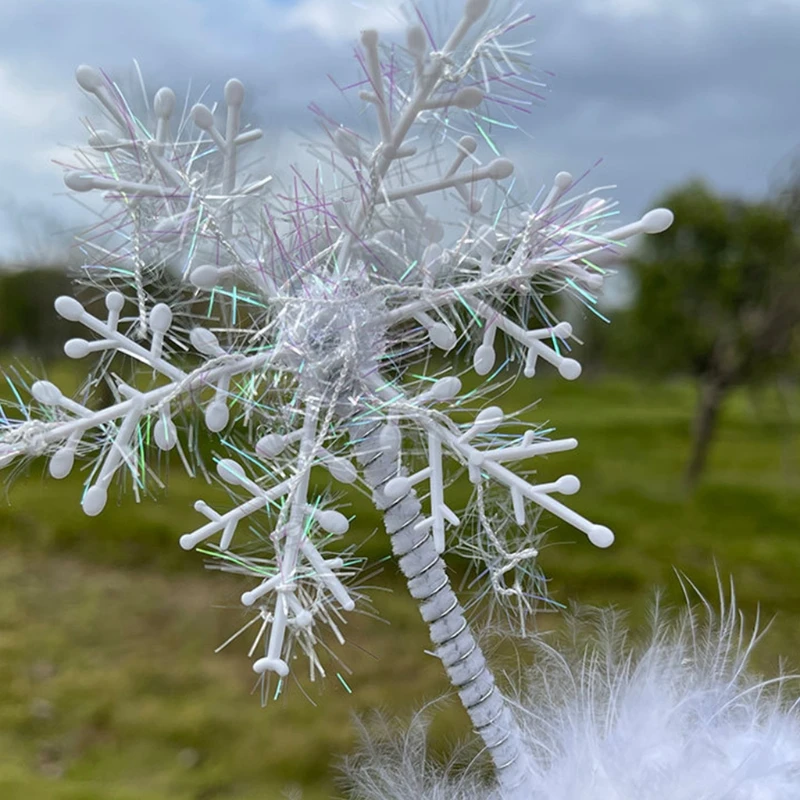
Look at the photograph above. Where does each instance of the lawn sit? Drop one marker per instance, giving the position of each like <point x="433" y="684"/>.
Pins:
<point x="109" y="684"/>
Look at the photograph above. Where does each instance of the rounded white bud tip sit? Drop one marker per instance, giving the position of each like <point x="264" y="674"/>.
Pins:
<point x="76" y="348"/>
<point x="79" y="181"/>
<point x="475" y="9"/>
<point x="160" y="318"/>
<point x="46" y="393"/>
<point x="600" y="536"/>
<point x="468" y="98"/>
<point x="248" y="598"/>
<point x="165" y="434"/>
<point x="270" y="445"/>
<point x="369" y="37"/>
<point x="217" y="416"/>
<point x="563" y="180"/>
<point x="397" y="487"/>
<point x="115" y="301"/>
<point x="563" y="330"/>
<point x="483" y="360"/>
<point x="230" y="471"/>
<point x="468" y="143"/>
<point x="204" y="341"/>
<point x="89" y="78"/>
<point x="569" y="369"/>
<point x="61" y="463"/>
<point x="202" y="116"/>
<point x="94" y="501"/>
<point x="500" y="168"/>
<point x="275" y="665"/>
<point x="568" y="484"/>
<point x="657" y="220"/>
<point x="442" y="337"/>
<point x="490" y="417"/>
<point x="234" y="92"/>
<point x="187" y="541"/>
<point x="164" y="102"/>
<point x="446" y="388"/>
<point x="68" y="308"/>
<point x="205" y="276"/>
<point x="342" y="470"/>
<point x="332" y="522"/>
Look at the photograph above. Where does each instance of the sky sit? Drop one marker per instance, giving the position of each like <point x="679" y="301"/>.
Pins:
<point x="660" y="90"/>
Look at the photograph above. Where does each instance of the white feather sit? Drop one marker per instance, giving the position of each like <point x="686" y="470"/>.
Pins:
<point x="677" y="717"/>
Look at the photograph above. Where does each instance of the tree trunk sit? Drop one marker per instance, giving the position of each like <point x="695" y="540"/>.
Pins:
<point x="453" y="641"/>
<point x="713" y="388"/>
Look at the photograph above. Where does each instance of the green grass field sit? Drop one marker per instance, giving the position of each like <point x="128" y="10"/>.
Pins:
<point x="109" y="684"/>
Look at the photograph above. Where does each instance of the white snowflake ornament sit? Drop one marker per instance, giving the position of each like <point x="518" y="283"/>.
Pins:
<point x="293" y="321"/>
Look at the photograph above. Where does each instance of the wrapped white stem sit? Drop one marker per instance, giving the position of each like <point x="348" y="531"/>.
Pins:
<point x="429" y="584"/>
<point x="440" y="512"/>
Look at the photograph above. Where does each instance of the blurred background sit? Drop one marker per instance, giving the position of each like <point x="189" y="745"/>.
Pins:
<point x="688" y="412"/>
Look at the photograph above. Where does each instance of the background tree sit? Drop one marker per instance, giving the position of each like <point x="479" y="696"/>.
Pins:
<point x="27" y="325"/>
<point x="718" y="298"/>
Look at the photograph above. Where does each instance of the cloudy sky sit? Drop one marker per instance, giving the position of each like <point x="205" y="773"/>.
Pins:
<point x="660" y="90"/>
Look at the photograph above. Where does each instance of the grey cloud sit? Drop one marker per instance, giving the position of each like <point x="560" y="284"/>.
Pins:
<point x="662" y="99"/>
<point x="658" y="97"/>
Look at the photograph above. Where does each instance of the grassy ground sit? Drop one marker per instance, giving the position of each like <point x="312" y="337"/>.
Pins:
<point x="109" y="686"/>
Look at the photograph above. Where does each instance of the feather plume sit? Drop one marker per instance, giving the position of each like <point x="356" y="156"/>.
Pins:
<point x="676" y="716"/>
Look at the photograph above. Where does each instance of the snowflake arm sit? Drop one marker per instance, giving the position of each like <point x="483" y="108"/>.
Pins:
<point x="488" y="462"/>
<point x="172" y="203"/>
<point x="35" y="437"/>
<point x="291" y="537"/>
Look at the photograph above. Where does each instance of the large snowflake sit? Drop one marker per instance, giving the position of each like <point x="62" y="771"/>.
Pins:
<point x="316" y="322"/>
